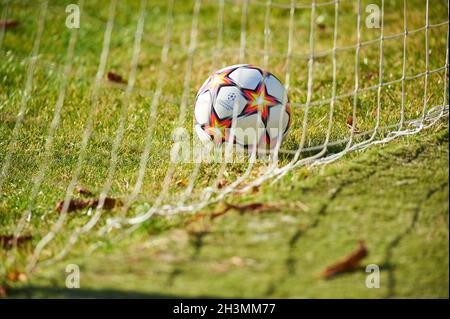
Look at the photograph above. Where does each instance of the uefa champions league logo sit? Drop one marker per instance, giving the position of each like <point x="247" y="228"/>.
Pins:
<point x="229" y="102"/>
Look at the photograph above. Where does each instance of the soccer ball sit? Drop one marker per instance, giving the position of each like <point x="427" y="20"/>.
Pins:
<point x="244" y="102"/>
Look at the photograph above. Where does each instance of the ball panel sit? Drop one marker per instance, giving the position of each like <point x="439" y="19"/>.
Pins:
<point x="235" y="66"/>
<point x="248" y="129"/>
<point x="202" y="109"/>
<point x="228" y="98"/>
<point x="246" y="78"/>
<point x="273" y="121"/>
<point x="275" y="88"/>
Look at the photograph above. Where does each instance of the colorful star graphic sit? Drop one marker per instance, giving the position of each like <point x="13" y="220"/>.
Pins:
<point x="217" y="128"/>
<point x="220" y="79"/>
<point x="259" y="100"/>
<point x="216" y="81"/>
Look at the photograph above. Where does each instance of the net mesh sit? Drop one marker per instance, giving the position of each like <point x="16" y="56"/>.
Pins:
<point x="350" y="86"/>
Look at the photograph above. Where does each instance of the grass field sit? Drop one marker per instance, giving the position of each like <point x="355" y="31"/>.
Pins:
<point x="393" y="196"/>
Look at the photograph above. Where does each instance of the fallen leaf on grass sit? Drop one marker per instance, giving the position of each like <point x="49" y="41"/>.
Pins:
<point x="108" y="204"/>
<point x="222" y="183"/>
<point x="349" y="120"/>
<point x="255" y="189"/>
<point x="182" y="182"/>
<point x="321" y="26"/>
<point x="77" y="204"/>
<point x="115" y="77"/>
<point x="74" y="204"/>
<point x="254" y="207"/>
<point x="17" y="276"/>
<point x="8" y="24"/>
<point x="348" y="263"/>
<point x="350" y="125"/>
<point x="214" y="215"/>
<point x="83" y="191"/>
<point x="7" y="241"/>
<point x="195" y="218"/>
<point x="371" y="75"/>
<point x="2" y="292"/>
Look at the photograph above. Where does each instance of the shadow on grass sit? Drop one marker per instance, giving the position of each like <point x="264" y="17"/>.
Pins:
<point x="59" y="292"/>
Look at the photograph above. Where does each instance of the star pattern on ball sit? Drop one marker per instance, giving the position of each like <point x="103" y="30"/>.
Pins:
<point x="218" y="128"/>
<point x="218" y="80"/>
<point x="259" y="99"/>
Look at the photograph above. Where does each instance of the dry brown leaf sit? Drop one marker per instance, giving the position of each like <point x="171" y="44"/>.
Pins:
<point x="8" y="24"/>
<point x="349" y="120"/>
<point x="182" y="182"/>
<point x="17" y="276"/>
<point x="255" y="189"/>
<point x="108" y="204"/>
<point x="348" y="263"/>
<point x="115" y="77"/>
<point x="195" y="218"/>
<point x="254" y="207"/>
<point x="77" y="204"/>
<point x="74" y="204"/>
<point x="211" y="216"/>
<point x="222" y="183"/>
<point x="3" y="292"/>
<point x="371" y="75"/>
<point x="350" y="125"/>
<point x="219" y="213"/>
<point x="7" y="241"/>
<point x="83" y="191"/>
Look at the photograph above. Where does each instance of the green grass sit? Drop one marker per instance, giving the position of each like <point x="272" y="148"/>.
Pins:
<point x="394" y="196"/>
<point x="377" y="196"/>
